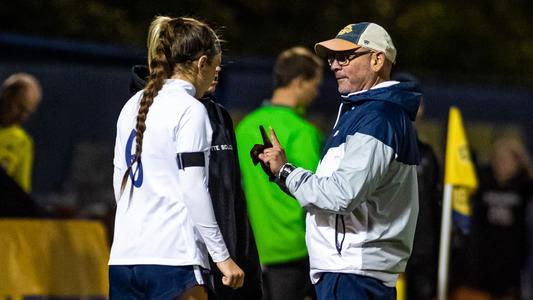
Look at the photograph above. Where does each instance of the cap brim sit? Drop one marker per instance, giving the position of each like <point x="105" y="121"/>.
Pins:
<point x="322" y="49"/>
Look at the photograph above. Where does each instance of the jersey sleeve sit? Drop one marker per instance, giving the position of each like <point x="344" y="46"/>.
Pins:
<point x="194" y="135"/>
<point x="200" y="208"/>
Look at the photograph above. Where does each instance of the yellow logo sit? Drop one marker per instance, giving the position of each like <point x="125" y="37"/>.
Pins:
<point x="345" y="30"/>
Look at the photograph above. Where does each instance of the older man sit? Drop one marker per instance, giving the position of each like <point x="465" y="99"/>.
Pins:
<point x="362" y="202"/>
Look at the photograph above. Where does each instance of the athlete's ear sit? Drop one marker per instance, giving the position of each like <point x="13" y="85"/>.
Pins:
<point x="202" y="62"/>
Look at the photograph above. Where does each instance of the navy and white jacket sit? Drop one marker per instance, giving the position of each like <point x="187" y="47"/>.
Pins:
<point x="362" y="203"/>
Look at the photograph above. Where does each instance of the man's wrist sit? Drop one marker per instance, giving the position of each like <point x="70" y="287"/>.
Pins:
<point x="284" y="172"/>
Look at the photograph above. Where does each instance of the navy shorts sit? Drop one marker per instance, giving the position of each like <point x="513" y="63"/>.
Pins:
<point x="341" y="286"/>
<point x="153" y="281"/>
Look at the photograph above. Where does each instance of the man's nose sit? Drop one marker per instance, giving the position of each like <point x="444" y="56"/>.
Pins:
<point x="335" y="65"/>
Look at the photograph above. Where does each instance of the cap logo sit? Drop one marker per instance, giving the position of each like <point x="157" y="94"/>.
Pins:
<point x="366" y="42"/>
<point x="345" y="30"/>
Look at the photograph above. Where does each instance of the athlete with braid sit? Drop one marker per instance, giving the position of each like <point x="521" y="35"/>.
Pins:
<point x="165" y="226"/>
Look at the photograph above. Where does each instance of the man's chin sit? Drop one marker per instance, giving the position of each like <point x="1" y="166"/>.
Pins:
<point x="343" y="91"/>
<point x="342" y="86"/>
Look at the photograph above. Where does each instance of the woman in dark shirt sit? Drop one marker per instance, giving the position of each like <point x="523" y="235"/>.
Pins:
<point x="499" y="237"/>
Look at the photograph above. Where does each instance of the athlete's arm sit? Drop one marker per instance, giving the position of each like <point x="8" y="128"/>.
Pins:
<point x="192" y="157"/>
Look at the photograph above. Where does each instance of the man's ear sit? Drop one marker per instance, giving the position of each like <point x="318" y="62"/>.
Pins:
<point x="377" y="61"/>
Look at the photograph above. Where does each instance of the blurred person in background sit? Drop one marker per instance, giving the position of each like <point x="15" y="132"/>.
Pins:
<point x="498" y="242"/>
<point x="20" y="96"/>
<point x="226" y="194"/>
<point x="277" y="220"/>
<point x="362" y="203"/>
<point x="422" y="267"/>
<point x="165" y="225"/>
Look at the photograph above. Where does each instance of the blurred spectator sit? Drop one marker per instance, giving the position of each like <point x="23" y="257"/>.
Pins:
<point x="421" y="270"/>
<point x="20" y="96"/>
<point x="277" y="220"/>
<point x="498" y="247"/>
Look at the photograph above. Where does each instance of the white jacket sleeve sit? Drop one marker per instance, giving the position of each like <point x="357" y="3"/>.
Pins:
<point x="360" y="170"/>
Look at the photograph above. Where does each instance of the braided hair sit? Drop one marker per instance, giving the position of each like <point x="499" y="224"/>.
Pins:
<point x="173" y="45"/>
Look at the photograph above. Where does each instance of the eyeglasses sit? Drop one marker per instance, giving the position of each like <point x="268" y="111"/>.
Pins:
<point x="344" y="58"/>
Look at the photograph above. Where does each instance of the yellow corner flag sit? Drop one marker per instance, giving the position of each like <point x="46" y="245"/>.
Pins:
<point x="459" y="170"/>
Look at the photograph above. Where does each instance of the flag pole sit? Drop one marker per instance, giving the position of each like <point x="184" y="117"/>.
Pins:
<point x="445" y="237"/>
<point x="459" y="172"/>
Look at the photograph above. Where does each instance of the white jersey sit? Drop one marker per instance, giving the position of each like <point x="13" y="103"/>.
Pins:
<point x="165" y="215"/>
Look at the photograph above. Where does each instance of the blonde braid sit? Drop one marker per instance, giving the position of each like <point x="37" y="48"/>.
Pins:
<point x="173" y="44"/>
<point x="160" y="69"/>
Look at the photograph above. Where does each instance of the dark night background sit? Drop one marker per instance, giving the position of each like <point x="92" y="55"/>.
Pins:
<point x="475" y="54"/>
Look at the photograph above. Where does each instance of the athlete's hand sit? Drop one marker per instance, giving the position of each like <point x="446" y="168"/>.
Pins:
<point x="233" y="276"/>
<point x="274" y="157"/>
